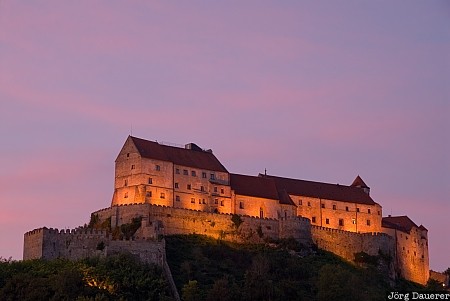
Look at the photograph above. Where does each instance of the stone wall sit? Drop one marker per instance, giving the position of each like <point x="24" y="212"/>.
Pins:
<point x="185" y="221"/>
<point x="81" y="243"/>
<point x="345" y="243"/>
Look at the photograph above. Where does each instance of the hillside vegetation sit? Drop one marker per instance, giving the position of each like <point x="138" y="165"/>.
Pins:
<point x="203" y="269"/>
<point x="208" y="269"/>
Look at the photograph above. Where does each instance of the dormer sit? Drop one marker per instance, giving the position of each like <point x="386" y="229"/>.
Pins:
<point x="358" y="182"/>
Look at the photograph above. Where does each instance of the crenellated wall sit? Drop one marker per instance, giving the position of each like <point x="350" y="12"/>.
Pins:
<point x="81" y="243"/>
<point x="346" y="243"/>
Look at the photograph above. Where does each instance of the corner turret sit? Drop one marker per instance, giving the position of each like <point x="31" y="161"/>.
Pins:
<point x="358" y="182"/>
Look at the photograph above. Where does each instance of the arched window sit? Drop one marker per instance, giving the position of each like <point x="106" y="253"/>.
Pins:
<point x="261" y="213"/>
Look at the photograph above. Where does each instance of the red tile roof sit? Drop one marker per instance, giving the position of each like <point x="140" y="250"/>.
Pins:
<point x="402" y="223"/>
<point x="322" y="190"/>
<point x="177" y="155"/>
<point x="254" y="186"/>
<point x="359" y="182"/>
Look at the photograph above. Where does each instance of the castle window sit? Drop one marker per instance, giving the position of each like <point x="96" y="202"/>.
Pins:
<point x="189" y="186"/>
<point x="341" y="222"/>
<point x="150" y="180"/>
<point x="353" y="221"/>
<point x="414" y="253"/>
<point x="261" y="213"/>
<point x="368" y="211"/>
<point x="212" y="176"/>
<point x="309" y="204"/>
<point x="125" y="183"/>
<point x="125" y="195"/>
<point x="357" y="209"/>
<point x="323" y="205"/>
<point x="177" y="171"/>
<point x="148" y="194"/>
<point x="215" y="189"/>
<point x="300" y="202"/>
<point x="216" y="201"/>
<point x="192" y="201"/>
<point x="199" y="201"/>
<point x="203" y="201"/>
<point x="334" y="207"/>
<point x="313" y="219"/>
<point x="221" y="191"/>
<point x="221" y="203"/>
<point x="158" y="168"/>
<point x="204" y="175"/>
<point x="241" y="205"/>
<point x="422" y="256"/>
<point x="185" y="172"/>
<point x="163" y="195"/>
<point x="346" y="208"/>
<point x="406" y="237"/>
<point x="128" y="155"/>
<point x="177" y="198"/>
<point x="193" y="173"/>
<point x="176" y="185"/>
<point x="368" y="222"/>
<point x="202" y="188"/>
<point x="379" y="213"/>
<point x="327" y="221"/>
<point x="132" y="166"/>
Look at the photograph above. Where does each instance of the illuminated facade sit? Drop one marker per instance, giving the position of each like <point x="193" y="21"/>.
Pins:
<point x="193" y="178"/>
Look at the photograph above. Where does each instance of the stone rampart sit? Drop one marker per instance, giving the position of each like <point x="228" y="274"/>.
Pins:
<point x="345" y="244"/>
<point x="216" y="225"/>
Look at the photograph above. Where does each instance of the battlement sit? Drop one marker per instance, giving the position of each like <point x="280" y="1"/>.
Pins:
<point x="349" y="233"/>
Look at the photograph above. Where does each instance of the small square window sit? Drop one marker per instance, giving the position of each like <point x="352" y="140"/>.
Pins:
<point x="379" y="213"/>
<point x="125" y="195"/>
<point x="368" y="222"/>
<point x="309" y="204"/>
<point x="313" y="219"/>
<point x="177" y="198"/>
<point x="193" y="173"/>
<point x="334" y="207"/>
<point x="346" y="208"/>
<point x="204" y="175"/>
<point x="177" y="171"/>
<point x="368" y="211"/>
<point x="150" y="180"/>
<point x="176" y="185"/>
<point x="148" y="194"/>
<point x="327" y="221"/>
<point x="215" y="189"/>
<point x="353" y="221"/>
<point x="185" y="172"/>
<point x="158" y="168"/>
<point x="221" y="191"/>
<point x="216" y="201"/>
<point x="189" y="186"/>
<point x="341" y="222"/>
<point x="203" y="201"/>
<point x="323" y="205"/>
<point x="163" y="195"/>
<point x="357" y="209"/>
<point x="128" y="155"/>
<point x="192" y="201"/>
<point x="221" y="203"/>
<point x="125" y="183"/>
<point x="212" y="176"/>
<point x="199" y="201"/>
<point x="132" y="166"/>
<point x="241" y="205"/>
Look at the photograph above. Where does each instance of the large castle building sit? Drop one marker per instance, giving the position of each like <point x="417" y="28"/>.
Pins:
<point x="188" y="190"/>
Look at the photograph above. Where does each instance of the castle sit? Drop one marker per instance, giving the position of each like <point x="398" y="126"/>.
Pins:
<point x="176" y="190"/>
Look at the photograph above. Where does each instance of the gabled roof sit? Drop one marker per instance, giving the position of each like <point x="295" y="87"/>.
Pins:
<point x="181" y="156"/>
<point x="322" y="190"/>
<point x="253" y="186"/>
<point x="358" y="182"/>
<point x="402" y="223"/>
